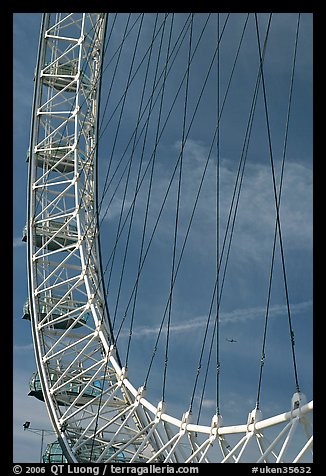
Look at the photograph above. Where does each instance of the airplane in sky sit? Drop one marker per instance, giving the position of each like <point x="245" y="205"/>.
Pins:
<point x="231" y="340"/>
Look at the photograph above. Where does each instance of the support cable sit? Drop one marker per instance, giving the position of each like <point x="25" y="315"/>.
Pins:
<point x="278" y="223"/>
<point x="174" y="171"/>
<point x="262" y="361"/>
<point x="148" y="120"/>
<point x="183" y="142"/>
<point x="150" y="102"/>
<point x="155" y="149"/>
<point x="217" y="317"/>
<point x="122" y="99"/>
<point x="230" y="224"/>
<point x="114" y="146"/>
<point x="150" y="178"/>
<point x="117" y="52"/>
<point x="138" y="176"/>
<point x="164" y="200"/>
<point x="193" y="211"/>
<point x="125" y="34"/>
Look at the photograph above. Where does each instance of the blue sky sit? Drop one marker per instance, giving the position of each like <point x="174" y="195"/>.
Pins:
<point x="244" y="295"/>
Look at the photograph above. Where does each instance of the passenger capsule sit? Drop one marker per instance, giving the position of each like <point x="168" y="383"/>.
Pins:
<point x="47" y="234"/>
<point x="67" y="394"/>
<point x="64" y="314"/>
<point x="57" y="155"/>
<point x="54" y="454"/>
<point x="63" y="76"/>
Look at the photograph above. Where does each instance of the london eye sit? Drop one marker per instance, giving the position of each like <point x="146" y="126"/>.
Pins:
<point x="161" y="171"/>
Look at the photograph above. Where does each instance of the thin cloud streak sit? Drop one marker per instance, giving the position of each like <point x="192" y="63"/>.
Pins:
<point x="233" y="317"/>
<point x="17" y="242"/>
<point x="23" y="348"/>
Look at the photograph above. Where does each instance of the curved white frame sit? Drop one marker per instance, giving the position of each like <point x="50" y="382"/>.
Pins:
<point x="75" y="359"/>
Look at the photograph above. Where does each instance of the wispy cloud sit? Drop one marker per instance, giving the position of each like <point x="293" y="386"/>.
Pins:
<point x="256" y="216"/>
<point x="109" y="212"/>
<point x="17" y="242"/>
<point x="243" y="315"/>
<point x="232" y="317"/>
<point x="23" y="348"/>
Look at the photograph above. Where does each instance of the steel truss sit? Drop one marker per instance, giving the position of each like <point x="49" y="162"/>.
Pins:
<point x="96" y="412"/>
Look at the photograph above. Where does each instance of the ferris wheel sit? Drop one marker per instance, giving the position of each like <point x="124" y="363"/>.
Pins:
<point x="86" y="287"/>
